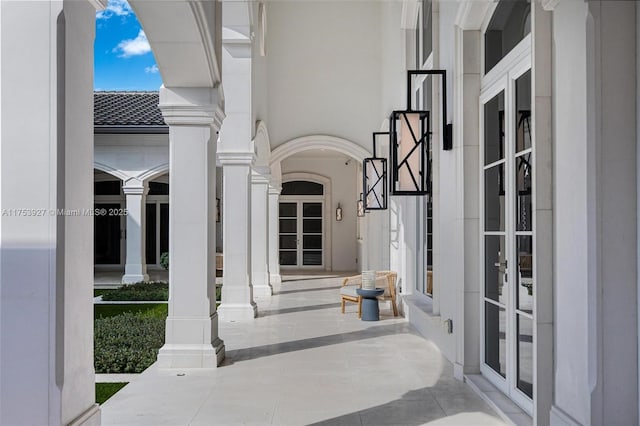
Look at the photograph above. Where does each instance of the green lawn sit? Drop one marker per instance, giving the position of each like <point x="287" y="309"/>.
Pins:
<point x="105" y="391"/>
<point x="158" y="310"/>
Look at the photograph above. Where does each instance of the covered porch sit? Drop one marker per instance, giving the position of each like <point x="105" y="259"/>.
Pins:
<point x="303" y="362"/>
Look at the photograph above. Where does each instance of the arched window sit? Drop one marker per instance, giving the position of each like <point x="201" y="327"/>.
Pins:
<point x="302" y="187"/>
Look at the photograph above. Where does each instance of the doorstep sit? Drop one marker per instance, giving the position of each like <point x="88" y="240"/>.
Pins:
<point x="497" y="400"/>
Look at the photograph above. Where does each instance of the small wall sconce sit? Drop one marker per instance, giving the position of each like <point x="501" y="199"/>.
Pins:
<point x="360" y="207"/>
<point x="338" y="213"/>
<point x="374" y="174"/>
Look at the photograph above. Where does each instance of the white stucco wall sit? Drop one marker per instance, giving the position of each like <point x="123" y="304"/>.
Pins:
<point x="343" y="243"/>
<point x="323" y="70"/>
<point x="132" y="154"/>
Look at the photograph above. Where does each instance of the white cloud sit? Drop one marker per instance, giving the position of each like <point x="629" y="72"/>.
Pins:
<point x="152" y="69"/>
<point x="134" y="47"/>
<point x="115" y="8"/>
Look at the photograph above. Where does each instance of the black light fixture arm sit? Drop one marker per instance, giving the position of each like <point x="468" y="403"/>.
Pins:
<point x="447" y="129"/>
<point x="374" y="142"/>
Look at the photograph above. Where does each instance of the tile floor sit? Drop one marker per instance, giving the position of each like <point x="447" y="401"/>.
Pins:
<point x="302" y="362"/>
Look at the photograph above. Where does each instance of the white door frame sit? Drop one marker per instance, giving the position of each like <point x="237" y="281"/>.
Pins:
<point x="503" y="79"/>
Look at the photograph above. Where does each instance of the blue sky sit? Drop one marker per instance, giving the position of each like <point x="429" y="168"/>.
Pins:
<point x="123" y="58"/>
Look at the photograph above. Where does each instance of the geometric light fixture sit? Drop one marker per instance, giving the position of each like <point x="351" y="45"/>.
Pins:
<point x="360" y="206"/>
<point x="374" y="179"/>
<point x="410" y="132"/>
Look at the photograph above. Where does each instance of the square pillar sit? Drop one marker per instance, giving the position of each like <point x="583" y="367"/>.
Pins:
<point x="194" y="117"/>
<point x="237" y="290"/>
<point x="274" y="256"/>
<point x="260" y="235"/>
<point x="135" y="269"/>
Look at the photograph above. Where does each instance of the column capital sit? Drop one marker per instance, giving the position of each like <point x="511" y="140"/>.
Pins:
<point x="274" y="190"/>
<point x="259" y="178"/>
<point x="549" y="5"/>
<point x="191" y="106"/>
<point x="236" y="158"/>
<point x="135" y="186"/>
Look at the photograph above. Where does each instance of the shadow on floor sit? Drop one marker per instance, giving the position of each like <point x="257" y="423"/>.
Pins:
<point x="288" y="278"/>
<point x="304" y="290"/>
<point x="255" y="352"/>
<point x="298" y="309"/>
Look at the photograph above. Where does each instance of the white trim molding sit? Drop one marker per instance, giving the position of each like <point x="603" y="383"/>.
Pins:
<point x="471" y="14"/>
<point x="307" y="143"/>
<point x="549" y="5"/>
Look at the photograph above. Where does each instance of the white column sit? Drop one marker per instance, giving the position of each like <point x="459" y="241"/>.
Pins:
<point x="260" y="235"/>
<point x="193" y="116"/>
<point x="274" y="222"/>
<point x="46" y="199"/>
<point x="135" y="269"/>
<point x="237" y="290"/>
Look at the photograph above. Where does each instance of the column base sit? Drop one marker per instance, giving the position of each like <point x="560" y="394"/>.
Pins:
<point x="134" y="278"/>
<point x="276" y="281"/>
<point x="90" y="417"/>
<point x="262" y="291"/>
<point x="178" y="355"/>
<point x="229" y="312"/>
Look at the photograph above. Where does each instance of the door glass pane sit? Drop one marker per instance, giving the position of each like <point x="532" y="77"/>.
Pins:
<point x="310" y="258"/>
<point x="288" y="242"/>
<point x="302" y="187"/>
<point x="312" y="242"/>
<point x="288" y="226"/>
<point x="150" y="233"/>
<point x="107" y="236"/>
<point x="525" y="355"/>
<point x="164" y="228"/>
<point x="524" y="294"/>
<point x="288" y="209"/>
<point x="494" y="129"/>
<point x="288" y="257"/>
<point x="495" y="348"/>
<point x="312" y="209"/>
<point x="495" y="267"/>
<point x="313" y="226"/>
<point x="494" y="198"/>
<point x="523" y="114"/>
<point x="523" y="192"/>
<point x="509" y="24"/>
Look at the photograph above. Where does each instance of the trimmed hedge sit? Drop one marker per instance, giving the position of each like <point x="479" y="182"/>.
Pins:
<point x="127" y="343"/>
<point x="151" y="291"/>
<point x="105" y="391"/>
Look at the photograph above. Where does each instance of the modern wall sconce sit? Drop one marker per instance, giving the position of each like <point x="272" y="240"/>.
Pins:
<point x="338" y="213"/>
<point x="410" y="132"/>
<point x="360" y="206"/>
<point x="374" y="176"/>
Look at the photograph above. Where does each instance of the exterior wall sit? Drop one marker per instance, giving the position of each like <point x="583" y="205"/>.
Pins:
<point x="343" y="240"/>
<point x="323" y="73"/>
<point x="132" y="155"/>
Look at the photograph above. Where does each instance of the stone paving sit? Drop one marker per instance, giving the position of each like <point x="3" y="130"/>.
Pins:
<point x="302" y="362"/>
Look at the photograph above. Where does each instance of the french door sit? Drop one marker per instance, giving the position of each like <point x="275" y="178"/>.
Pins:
<point x="508" y="235"/>
<point x="301" y="234"/>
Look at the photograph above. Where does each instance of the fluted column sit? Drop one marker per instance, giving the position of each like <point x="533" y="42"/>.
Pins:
<point x="135" y="269"/>
<point x="194" y="117"/>
<point x="274" y="258"/>
<point x="237" y="290"/>
<point x="260" y="235"/>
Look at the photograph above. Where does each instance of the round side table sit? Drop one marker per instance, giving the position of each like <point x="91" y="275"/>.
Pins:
<point x="370" y="310"/>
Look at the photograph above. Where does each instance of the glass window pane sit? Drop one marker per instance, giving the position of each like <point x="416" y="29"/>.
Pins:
<point x="495" y="267"/>
<point x="427" y="18"/>
<point x="523" y="115"/>
<point x="312" y="209"/>
<point x="494" y="198"/>
<point x="509" y="24"/>
<point x="288" y="226"/>
<point x="312" y="242"/>
<point x="164" y="227"/>
<point x="310" y="258"/>
<point x="523" y="196"/>
<point x="106" y="242"/>
<point x="158" y="188"/>
<point x="525" y="273"/>
<point x="302" y="187"/>
<point x="312" y="226"/>
<point x="287" y="257"/>
<point x="288" y="241"/>
<point x="150" y="233"/>
<point x="494" y="129"/>
<point x="111" y="187"/>
<point x="525" y="355"/>
<point x="495" y="348"/>
<point x="288" y="209"/>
